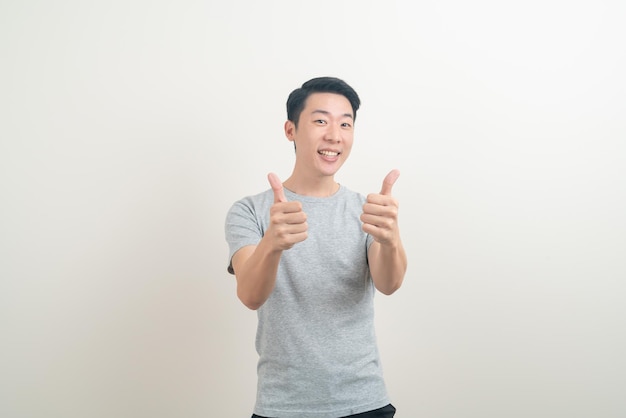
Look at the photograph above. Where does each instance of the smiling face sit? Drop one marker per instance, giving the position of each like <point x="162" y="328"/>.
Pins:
<point x="323" y="137"/>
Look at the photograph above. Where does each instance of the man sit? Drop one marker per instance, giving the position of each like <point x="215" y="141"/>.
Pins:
<point x="308" y="255"/>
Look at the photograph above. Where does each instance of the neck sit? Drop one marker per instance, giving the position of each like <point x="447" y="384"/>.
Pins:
<point x="323" y="187"/>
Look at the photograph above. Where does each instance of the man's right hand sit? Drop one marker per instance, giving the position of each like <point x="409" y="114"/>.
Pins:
<point x="287" y="220"/>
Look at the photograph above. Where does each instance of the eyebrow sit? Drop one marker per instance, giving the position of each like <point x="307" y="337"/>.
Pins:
<point x="325" y="112"/>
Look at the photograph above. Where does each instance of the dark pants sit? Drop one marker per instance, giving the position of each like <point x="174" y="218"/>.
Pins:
<point x="385" y="412"/>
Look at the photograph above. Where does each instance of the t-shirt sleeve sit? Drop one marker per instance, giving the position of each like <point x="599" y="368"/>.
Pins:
<point x="242" y="228"/>
<point x="369" y="241"/>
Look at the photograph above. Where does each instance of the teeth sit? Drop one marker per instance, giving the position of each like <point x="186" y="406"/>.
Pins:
<point x="329" y="153"/>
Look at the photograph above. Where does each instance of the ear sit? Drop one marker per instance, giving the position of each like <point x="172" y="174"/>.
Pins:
<point x="290" y="130"/>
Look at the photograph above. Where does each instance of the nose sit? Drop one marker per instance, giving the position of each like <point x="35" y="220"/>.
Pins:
<point x="333" y="133"/>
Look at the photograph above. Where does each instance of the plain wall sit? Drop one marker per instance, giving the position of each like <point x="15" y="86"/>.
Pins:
<point x="128" y="128"/>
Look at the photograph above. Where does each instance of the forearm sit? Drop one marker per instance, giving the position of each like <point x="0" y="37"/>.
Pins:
<point x="256" y="275"/>
<point x="388" y="265"/>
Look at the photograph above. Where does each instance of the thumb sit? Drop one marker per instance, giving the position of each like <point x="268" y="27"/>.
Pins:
<point x="390" y="179"/>
<point x="277" y="186"/>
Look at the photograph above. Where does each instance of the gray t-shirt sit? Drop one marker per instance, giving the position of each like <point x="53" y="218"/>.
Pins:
<point x="317" y="349"/>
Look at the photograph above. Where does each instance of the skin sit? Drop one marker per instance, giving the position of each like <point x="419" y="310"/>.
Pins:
<point x="323" y="138"/>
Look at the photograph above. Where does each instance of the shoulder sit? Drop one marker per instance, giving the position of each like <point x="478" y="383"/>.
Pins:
<point x="253" y="203"/>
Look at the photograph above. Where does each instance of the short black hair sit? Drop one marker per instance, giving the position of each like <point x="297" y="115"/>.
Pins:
<point x="297" y="99"/>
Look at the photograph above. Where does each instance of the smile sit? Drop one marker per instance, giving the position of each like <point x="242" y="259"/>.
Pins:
<point x="329" y="153"/>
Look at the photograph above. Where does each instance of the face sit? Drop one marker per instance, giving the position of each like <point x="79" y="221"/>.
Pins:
<point x="324" y="134"/>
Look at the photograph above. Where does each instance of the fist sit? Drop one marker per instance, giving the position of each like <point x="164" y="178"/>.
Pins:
<point x="287" y="220"/>
<point x="380" y="213"/>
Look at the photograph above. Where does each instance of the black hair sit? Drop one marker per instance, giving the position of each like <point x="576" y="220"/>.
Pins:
<point x="297" y="99"/>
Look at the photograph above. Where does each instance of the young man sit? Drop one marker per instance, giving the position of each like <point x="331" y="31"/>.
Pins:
<point x="308" y="255"/>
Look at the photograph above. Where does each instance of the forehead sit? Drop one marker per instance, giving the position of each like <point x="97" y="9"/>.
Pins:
<point x="329" y="102"/>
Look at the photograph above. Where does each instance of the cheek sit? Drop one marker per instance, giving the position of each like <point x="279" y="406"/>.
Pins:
<point x="347" y="146"/>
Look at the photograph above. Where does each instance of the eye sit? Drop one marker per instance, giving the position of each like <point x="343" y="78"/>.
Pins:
<point x="346" y="125"/>
<point x="320" y="121"/>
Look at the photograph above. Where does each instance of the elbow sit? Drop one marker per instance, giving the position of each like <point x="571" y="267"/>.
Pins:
<point x="390" y="290"/>
<point x="250" y="302"/>
<point x="388" y="287"/>
<point x="252" y="306"/>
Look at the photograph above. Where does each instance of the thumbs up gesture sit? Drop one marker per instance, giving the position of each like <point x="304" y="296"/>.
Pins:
<point x="380" y="213"/>
<point x="287" y="220"/>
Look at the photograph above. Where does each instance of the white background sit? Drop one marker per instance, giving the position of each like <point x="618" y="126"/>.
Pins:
<point x="128" y="128"/>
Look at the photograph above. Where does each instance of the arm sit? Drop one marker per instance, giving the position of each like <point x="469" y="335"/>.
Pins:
<point x="255" y="266"/>
<point x="387" y="265"/>
<point x="386" y="255"/>
<point x="255" y="269"/>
